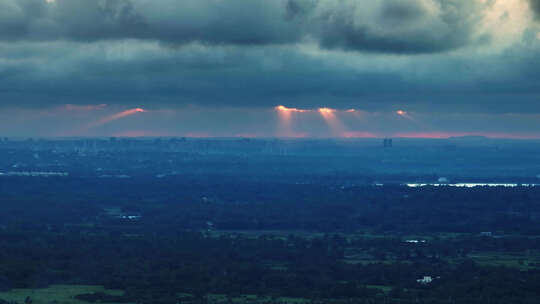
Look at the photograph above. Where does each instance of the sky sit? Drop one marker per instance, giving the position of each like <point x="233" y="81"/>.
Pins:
<point x="212" y="68"/>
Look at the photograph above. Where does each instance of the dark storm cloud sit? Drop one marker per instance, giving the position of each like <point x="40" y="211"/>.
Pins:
<point x="214" y="22"/>
<point x="535" y="7"/>
<point x="399" y="26"/>
<point x="148" y="75"/>
<point x="391" y="26"/>
<point x="402" y="11"/>
<point x="78" y="20"/>
<point x="372" y="55"/>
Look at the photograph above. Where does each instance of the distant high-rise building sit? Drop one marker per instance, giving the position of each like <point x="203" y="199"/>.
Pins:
<point x="387" y="143"/>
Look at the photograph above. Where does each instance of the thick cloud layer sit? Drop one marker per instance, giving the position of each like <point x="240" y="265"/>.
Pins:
<point x="393" y="26"/>
<point x="424" y="55"/>
<point x="535" y="7"/>
<point x="178" y="22"/>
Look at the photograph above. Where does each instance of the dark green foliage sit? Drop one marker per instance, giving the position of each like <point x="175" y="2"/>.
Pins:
<point x="334" y="244"/>
<point x="101" y="297"/>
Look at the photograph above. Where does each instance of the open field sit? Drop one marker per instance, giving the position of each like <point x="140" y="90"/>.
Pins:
<point x="244" y="299"/>
<point x="59" y="294"/>
<point x="513" y="260"/>
<point x="283" y="234"/>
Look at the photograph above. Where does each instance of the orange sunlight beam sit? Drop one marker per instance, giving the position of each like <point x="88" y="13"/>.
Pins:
<point x="117" y="116"/>
<point x="109" y="119"/>
<point x="285" y="128"/>
<point x="336" y="126"/>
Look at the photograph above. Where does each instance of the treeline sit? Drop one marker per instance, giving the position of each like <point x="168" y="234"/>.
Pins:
<point x="180" y="203"/>
<point x="157" y="269"/>
<point x="63" y="231"/>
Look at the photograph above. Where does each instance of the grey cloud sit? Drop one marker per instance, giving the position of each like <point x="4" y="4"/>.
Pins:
<point x="293" y="9"/>
<point x="535" y="7"/>
<point x="402" y="26"/>
<point x="95" y="20"/>
<point x="150" y="75"/>
<point x="402" y="11"/>
<point x="170" y="53"/>
<point x="177" y="22"/>
<point x="399" y="26"/>
<point x="18" y="18"/>
<point x="77" y="20"/>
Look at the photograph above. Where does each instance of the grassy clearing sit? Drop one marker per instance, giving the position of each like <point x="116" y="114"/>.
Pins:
<point x="293" y="300"/>
<point x="253" y="234"/>
<point x="245" y="299"/>
<point x="360" y="258"/>
<point x="366" y="235"/>
<point x="60" y="294"/>
<point x="518" y="261"/>
<point x="383" y="288"/>
<point x="277" y="266"/>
